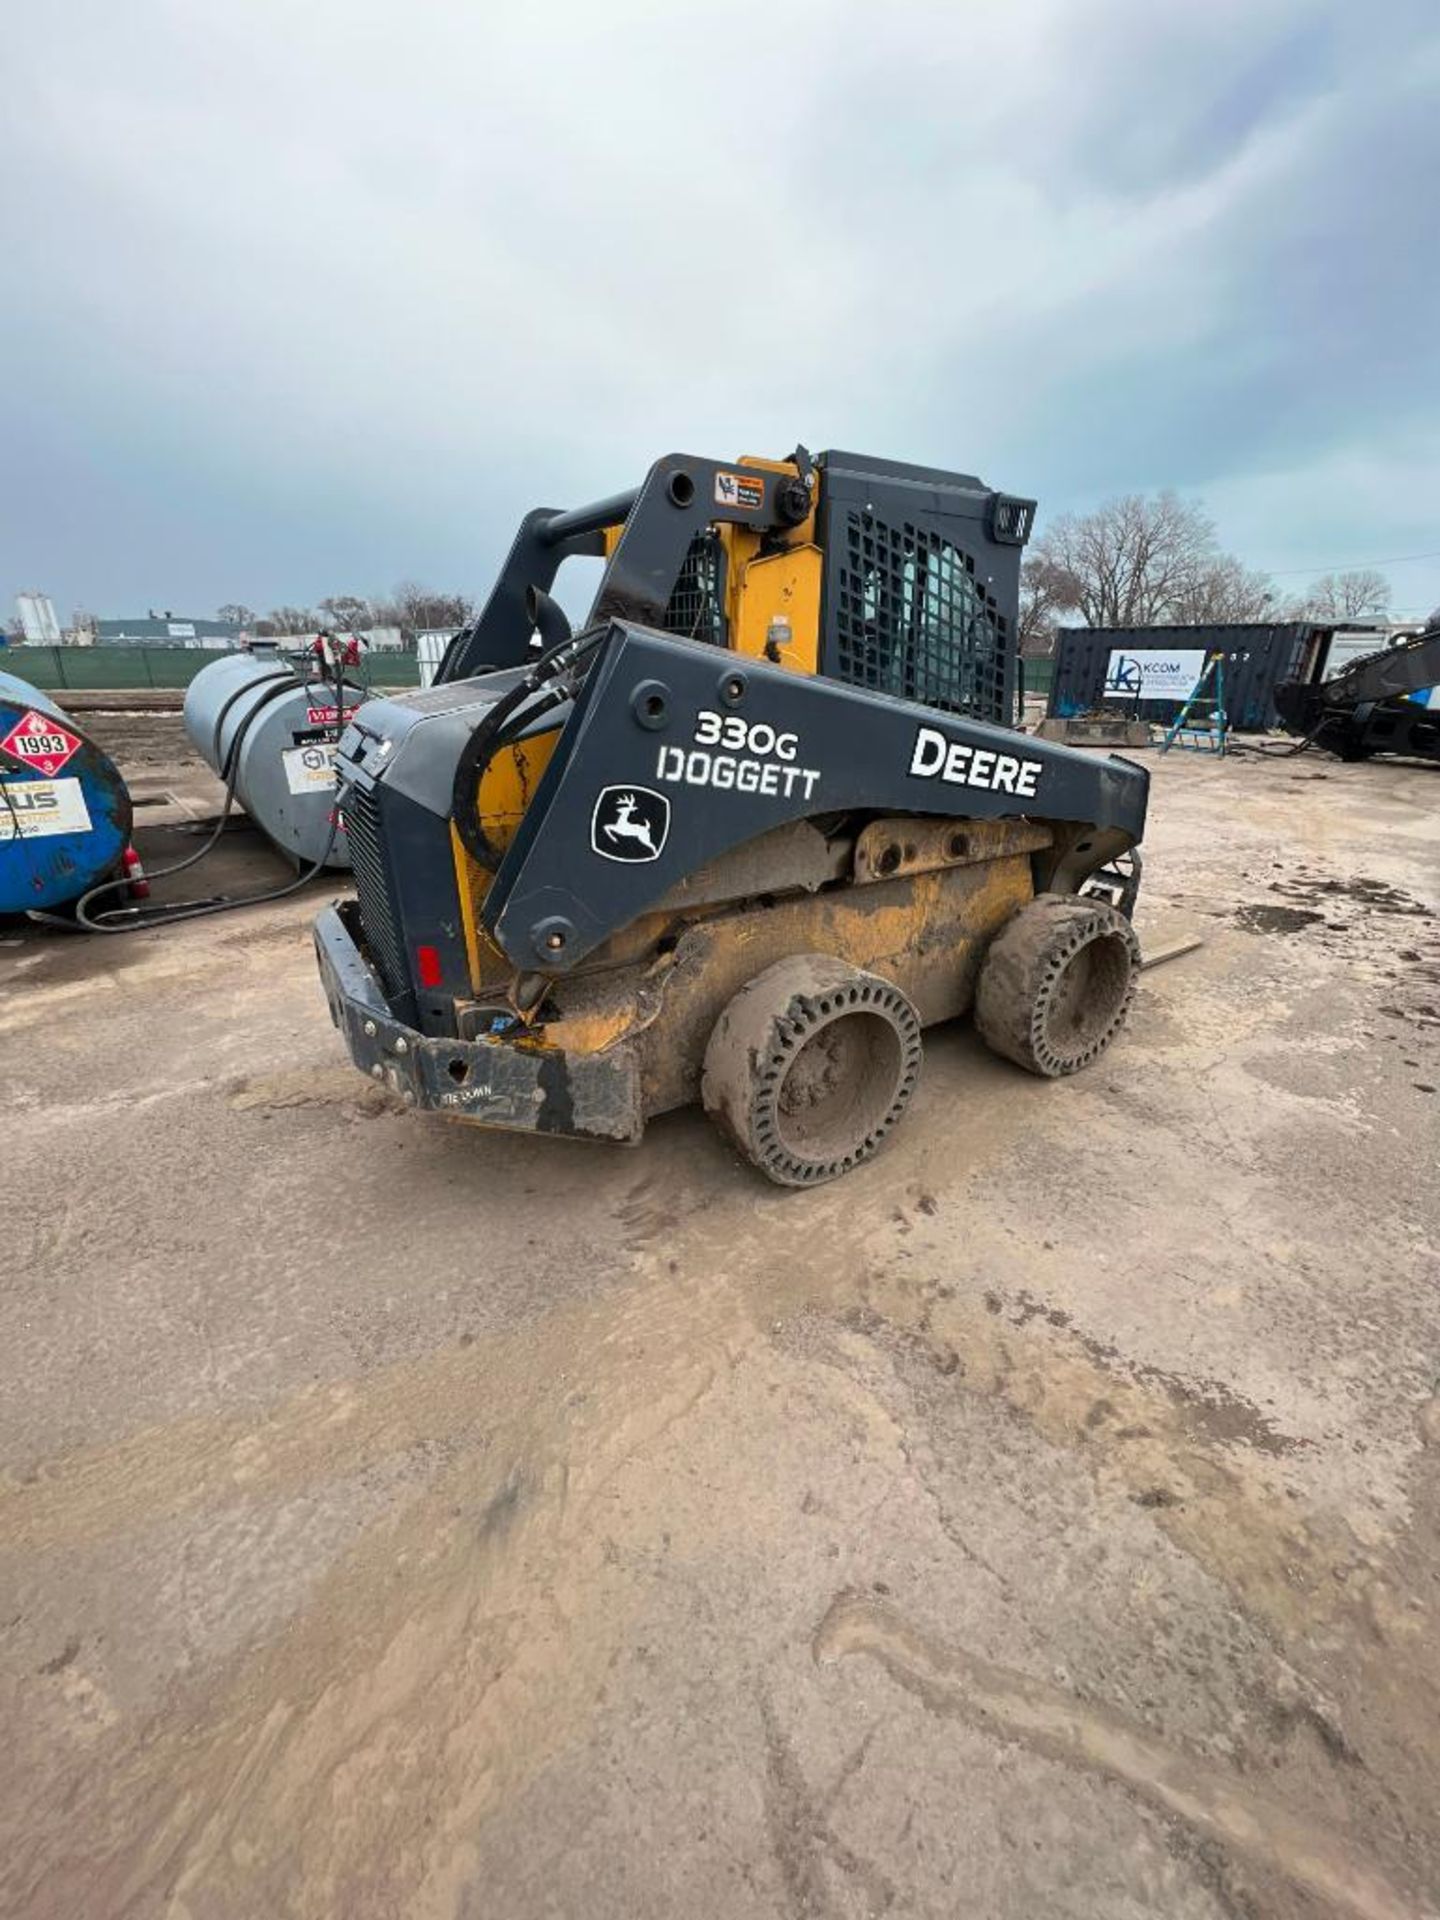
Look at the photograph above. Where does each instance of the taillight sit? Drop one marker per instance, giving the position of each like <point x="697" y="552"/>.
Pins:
<point x="427" y="966"/>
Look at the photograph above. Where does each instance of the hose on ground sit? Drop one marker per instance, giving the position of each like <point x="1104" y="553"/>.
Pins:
<point x="137" y="919"/>
<point x="489" y="736"/>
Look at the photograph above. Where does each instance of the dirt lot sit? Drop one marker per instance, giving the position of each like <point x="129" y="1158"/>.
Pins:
<point x="398" y="1520"/>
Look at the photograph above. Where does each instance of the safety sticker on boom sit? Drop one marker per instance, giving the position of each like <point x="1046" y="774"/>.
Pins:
<point x="41" y="741"/>
<point x="740" y="490"/>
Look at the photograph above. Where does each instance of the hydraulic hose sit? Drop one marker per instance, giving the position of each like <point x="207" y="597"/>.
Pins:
<point x="285" y="676"/>
<point x="136" y="919"/>
<point x="489" y="736"/>
<point x="547" y="617"/>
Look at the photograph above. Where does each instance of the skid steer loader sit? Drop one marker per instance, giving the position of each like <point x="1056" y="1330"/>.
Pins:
<point x="741" y="837"/>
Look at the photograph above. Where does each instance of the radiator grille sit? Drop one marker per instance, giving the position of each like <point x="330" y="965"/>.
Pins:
<point x="372" y="888"/>
<point x="913" y="620"/>
<point x="696" y="608"/>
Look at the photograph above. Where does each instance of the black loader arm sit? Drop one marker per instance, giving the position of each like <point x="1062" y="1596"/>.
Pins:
<point x="681" y="495"/>
<point x="1406" y="668"/>
<point x="675" y="754"/>
<point x="1371" y="705"/>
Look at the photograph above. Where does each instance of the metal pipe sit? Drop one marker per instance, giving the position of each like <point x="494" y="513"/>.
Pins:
<point x="591" y="519"/>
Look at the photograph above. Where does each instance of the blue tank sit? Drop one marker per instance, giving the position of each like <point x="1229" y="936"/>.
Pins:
<point x="65" y="812"/>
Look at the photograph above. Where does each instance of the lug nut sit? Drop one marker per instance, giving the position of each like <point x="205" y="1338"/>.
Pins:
<point x="369" y="1029"/>
<point x="402" y="1045"/>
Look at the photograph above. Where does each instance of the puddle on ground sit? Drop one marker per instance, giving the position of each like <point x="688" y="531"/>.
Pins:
<point x="1275" y="919"/>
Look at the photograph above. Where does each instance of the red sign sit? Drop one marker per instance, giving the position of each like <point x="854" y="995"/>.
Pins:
<point x="42" y="742"/>
<point x="325" y="716"/>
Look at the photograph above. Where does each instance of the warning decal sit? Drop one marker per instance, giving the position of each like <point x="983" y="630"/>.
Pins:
<point x="310" y="769"/>
<point x="326" y="716"/>
<point x="36" y="809"/>
<point x="739" y="490"/>
<point x="41" y="741"/>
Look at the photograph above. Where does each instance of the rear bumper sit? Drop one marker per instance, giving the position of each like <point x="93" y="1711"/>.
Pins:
<point x="522" y="1086"/>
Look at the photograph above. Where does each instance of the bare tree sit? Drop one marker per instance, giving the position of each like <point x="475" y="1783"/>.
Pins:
<point x="416" y="608"/>
<point x="1046" y="591"/>
<point x="1224" y="590"/>
<point x="1346" y="596"/>
<point x="348" y="612"/>
<point x="236" y="614"/>
<point x="291" y="620"/>
<point x="1131" y="561"/>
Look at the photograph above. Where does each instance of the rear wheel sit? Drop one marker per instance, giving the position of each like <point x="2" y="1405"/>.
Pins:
<point x="810" y="1066"/>
<point x="1056" y="983"/>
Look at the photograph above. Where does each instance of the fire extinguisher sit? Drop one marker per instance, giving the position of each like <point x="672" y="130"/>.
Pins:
<point x="138" y="887"/>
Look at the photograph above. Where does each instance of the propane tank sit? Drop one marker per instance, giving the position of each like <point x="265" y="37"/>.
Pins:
<point x="281" y="728"/>
<point x="65" y="812"/>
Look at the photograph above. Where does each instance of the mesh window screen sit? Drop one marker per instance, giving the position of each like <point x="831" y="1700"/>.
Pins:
<point x="696" y="608"/>
<point x="913" y="620"/>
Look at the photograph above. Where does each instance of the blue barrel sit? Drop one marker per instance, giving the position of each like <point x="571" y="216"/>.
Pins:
<point x="65" y="813"/>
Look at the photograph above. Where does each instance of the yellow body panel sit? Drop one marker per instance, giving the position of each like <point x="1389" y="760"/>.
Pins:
<point x="509" y="782"/>
<point x="506" y="789"/>
<point x="781" y="584"/>
<point x="784" y="581"/>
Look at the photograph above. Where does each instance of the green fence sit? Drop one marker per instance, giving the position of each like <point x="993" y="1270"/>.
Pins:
<point x="136" y="668"/>
<point x="1039" y="675"/>
<point x="113" y="669"/>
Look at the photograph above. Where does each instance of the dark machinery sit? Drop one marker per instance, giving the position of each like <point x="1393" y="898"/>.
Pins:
<point x="1386" y="702"/>
<point x="740" y="838"/>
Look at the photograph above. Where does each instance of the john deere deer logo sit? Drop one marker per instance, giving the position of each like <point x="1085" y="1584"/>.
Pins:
<point x="629" y="823"/>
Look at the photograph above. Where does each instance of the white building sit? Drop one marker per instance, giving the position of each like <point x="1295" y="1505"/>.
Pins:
<point x="430" y="645"/>
<point x="38" y="624"/>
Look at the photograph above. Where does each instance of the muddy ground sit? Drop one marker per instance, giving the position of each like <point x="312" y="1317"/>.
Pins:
<point x="399" y="1520"/>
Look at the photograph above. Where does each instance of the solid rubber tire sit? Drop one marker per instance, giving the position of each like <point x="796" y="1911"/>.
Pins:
<point x="1022" y="997"/>
<point x="811" y="1025"/>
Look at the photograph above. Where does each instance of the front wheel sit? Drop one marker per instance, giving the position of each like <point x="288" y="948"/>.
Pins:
<point x="1056" y="983"/>
<point x="810" y="1066"/>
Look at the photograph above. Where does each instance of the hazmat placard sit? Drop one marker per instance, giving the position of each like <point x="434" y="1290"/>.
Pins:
<point x="41" y="741"/>
<point x="1153" y="673"/>
<point x="310" y="769"/>
<point x="37" y="809"/>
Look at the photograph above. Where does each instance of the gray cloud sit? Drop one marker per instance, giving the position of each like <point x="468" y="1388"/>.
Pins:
<point x="306" y="299"/>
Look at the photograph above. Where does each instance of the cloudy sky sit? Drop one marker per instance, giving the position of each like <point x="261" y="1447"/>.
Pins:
<point x="300" y="299"/>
